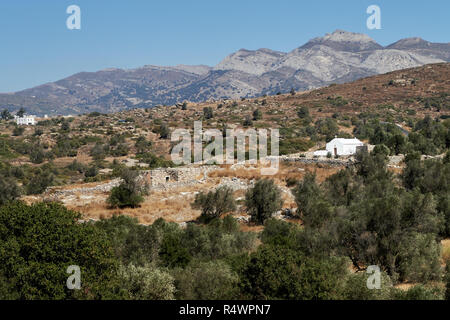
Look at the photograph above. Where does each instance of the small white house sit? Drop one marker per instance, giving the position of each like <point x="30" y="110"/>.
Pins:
<point x="25" y="120"/>
<point x="340" y="147"/>
<point x="343" y="147"/>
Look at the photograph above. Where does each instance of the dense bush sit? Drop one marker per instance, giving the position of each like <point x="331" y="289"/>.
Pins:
<point x="257" y="115"/>
<point x="41" y="179"/>
<point x="146" y="283"/>
<point x="360" y="216"/>
<point x="276" y="272"/>
<point x="142" y="145"/>
<point x="154" y="161"/>
<point x="212" y="280"/>
<point x="428" y="136"/>
<point x="39" y="242"/>
<point x="9" y="190"/>
<point x="18" y="131"/>
<point x="129" y="193"/>
<point x="208" y="113"/>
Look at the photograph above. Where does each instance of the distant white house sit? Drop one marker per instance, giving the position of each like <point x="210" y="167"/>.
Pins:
<point x="25" y="120"/>
<point x="340" y="147"/>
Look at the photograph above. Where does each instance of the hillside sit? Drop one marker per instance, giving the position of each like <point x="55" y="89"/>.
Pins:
<point x="356" y="210"/>
<point x="335" y="58"/>
<point x="83" y="152"/>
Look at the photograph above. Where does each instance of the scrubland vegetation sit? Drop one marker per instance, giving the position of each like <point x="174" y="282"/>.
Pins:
<point x="356" y="218"/>
<point x="397" y="218"/>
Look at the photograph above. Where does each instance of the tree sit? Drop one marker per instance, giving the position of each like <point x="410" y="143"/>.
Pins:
<point x="215" y="203"/>
<point x="419" y="292"/>
<point x="6" y="115"/>
<point x="147" y="283"/>
<point x="38" y="244"/>
<point x="278" y="232"/>
<point x="355" y="288"/>
<point x="312" y="207"/>
<point x="42" y="179"/>
<point x="247" y="121"/>
<point x="208" y="113"/>
<point x="9" y="190"/>
<point x="422" y="263"/>
<point x="120" y="150"/>
<point x="99" y="151"/>
<point x="129" y="193"/>
<point x="212" y="280"/>
<point x="65" y="126"/>
<point x="275" y="272"/>
<point x="263" y="200"/>
<point x="303" y="112"/>
<point x="37" y="155"/>
<point x="173" y="253"/>
<point x="271" y="273"/>
<point x="447" y="280"/>
<point x="257" y="115"/>
<point x="132" y="242"/>
<point x="38" y="132"/>
<point x="142" y="145"/>
<point x="91" y="172"/>
<point x="397" y="143"/>
<point x="164" y="131"/>
<point x="21" y="112"/>
<point x="18" y="131"/>
<point x="414" y="171"/>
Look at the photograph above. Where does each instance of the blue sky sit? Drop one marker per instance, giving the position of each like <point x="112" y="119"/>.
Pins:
<point x="36" y="47"/>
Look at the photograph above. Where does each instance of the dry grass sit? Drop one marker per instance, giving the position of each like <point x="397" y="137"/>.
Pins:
<point x="405" y="286"/>
<point x="171" y="205"/>
<point x="174" y="204"/>
<point x="445" y="255"/>
<point x="287" y="170"/>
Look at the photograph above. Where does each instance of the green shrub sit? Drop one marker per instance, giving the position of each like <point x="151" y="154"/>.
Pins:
<point x="263" y="200"/>
<point x="18" y="131"/>
<point x="146" y="283"/>
<point x="39" y="242"/>
<point x="212" y="280"/>
<point x="129" y="193"/>
<point x="214" y="203"/>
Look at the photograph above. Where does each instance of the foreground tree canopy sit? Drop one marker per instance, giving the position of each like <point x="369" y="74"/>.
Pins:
<point x="358" y="217"/>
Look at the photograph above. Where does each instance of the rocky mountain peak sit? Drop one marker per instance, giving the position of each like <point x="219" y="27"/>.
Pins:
<point x="344" y="41"/>
<point x="346" y="36"/>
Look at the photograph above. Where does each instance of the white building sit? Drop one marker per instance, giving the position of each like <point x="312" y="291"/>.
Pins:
<point x="340" y="147"/>
<point x="25" y="120"/>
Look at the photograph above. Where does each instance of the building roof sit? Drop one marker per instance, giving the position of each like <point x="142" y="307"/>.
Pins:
<point x="347" y="141"/>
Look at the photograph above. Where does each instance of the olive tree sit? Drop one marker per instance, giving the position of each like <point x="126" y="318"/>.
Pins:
<point x="215" y="203"/>
<point x="263" y="200"/>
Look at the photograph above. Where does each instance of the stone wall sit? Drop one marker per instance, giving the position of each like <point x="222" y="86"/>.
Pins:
<point x="161" y="177"/>
<point x="157" y="179"/>
<point x="56" y="192"/>
<point x="325" y="161"/>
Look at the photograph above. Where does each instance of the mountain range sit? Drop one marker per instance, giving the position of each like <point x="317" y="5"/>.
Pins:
<point x="334" y="58"/>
